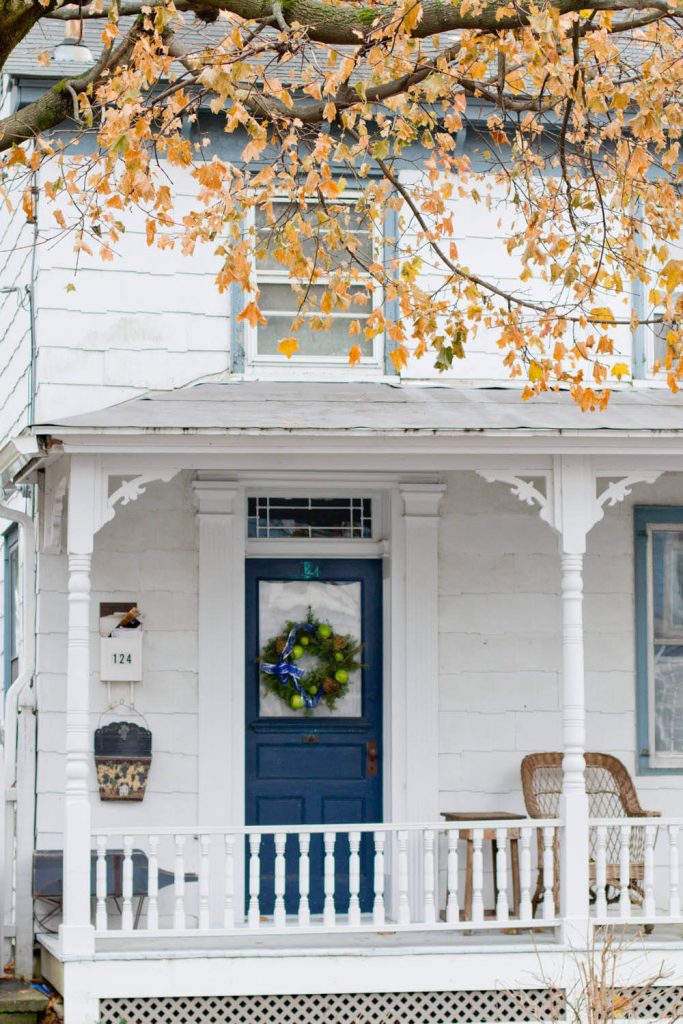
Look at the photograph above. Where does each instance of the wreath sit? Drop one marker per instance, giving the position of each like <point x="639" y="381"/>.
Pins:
<point x="336" y="657"/>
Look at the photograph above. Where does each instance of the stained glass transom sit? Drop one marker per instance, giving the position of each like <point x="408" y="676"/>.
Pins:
<point x="307" y="517"/>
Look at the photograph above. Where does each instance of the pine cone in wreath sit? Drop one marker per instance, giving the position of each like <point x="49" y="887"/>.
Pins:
<point x="280" y="644"/>
<point x="338" y="642"/>
<point x="330" y="685"/>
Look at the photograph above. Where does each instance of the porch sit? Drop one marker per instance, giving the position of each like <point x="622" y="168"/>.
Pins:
<point x="196" y="881"/>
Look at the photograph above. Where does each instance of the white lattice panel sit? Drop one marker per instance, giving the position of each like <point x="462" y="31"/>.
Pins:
<point x="531" y="1005"/>
<point x="661" y="1002"/>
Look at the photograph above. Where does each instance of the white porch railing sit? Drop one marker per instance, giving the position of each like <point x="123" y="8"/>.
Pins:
<point x="636" y="870"/>
<point x="186" y="881"/>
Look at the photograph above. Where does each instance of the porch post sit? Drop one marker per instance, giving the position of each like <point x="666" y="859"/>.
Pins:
<point x="421" y="714"/>
<point x="76" y="933"/>
<point x="574" y="502"/>
<point x="220" y="517"/>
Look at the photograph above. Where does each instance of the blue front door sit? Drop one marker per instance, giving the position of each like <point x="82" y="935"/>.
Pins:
<point x="324" y="767"/>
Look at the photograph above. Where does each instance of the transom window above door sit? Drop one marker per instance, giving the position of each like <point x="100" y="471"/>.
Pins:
<point x="307" y="517"/>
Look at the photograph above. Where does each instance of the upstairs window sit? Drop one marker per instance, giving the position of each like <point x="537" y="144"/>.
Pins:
<point x="656" y="342"/>
<point x="284" y="297"/>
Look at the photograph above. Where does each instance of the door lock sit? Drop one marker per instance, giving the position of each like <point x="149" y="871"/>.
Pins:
<point x="372" y="758"/>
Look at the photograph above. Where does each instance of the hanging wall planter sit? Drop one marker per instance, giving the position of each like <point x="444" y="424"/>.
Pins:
<point x="123" y="754"/>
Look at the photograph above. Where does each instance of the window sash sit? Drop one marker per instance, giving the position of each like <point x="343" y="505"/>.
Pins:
<point x="269" y="275"/>
<point x="658" y="759"/>
<point x="655" y="344"/>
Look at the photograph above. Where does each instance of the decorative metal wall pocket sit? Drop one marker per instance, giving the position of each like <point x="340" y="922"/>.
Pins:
<point x="123" y="755"/>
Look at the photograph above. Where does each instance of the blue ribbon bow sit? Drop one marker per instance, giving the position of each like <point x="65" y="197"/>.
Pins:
<point x="287" y="673"/>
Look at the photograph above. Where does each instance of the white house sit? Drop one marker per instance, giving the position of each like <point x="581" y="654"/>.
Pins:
<point x="513" y="570"/>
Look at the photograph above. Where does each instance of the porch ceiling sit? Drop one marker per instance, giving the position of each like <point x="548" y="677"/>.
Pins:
<point x="372" y="409"/>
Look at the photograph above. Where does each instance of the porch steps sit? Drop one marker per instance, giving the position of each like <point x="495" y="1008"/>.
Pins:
<point x="20" y="1003"/>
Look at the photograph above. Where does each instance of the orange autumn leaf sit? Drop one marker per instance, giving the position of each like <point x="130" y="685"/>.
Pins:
<point x="355" y="355"/>
<point x="252" y="315"/>
<point x="399" y="357"/>
<point x="287" y="347"/>
<point x="28" y="205"/>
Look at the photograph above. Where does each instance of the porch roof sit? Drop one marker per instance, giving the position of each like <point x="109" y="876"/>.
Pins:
<point x="267" y="407"/>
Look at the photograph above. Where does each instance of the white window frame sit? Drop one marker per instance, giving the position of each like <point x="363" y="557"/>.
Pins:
<point x="340" y="363"/>
<point x="661" y="759"/>
<point x="650" y="348"/>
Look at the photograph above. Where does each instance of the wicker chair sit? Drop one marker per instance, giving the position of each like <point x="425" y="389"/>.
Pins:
<point x="611" y="794"/>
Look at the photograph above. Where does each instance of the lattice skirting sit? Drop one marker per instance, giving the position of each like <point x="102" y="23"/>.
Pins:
<point x="661" y="1002"/>
<point x="526" y="1006"/>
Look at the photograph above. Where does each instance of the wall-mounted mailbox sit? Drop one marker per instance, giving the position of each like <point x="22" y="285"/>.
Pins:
<point x="120" y="642"/>
<point x="121" y="657"/>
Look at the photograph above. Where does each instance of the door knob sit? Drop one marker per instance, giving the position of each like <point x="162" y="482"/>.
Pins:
<point x="371" y="758"/>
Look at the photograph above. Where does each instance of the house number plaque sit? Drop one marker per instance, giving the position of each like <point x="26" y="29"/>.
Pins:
<point x="121" y="658"/>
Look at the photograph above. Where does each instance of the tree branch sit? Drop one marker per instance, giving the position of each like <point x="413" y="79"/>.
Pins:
<point x="349" y="23"/>
<point x="55" y="105"/>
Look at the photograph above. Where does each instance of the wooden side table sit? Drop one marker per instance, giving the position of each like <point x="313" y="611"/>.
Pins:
<point x="489" y="836"/>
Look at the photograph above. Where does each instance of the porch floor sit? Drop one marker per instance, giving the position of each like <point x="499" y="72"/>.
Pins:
<point x="367" y="943"/>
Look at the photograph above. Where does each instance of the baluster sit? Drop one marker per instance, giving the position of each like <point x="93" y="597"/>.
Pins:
<point x="329" y="919"/>
<point x="624" y="870"/>
<point x="403" y="901"/>
<point x="452" y="908"/>
<point x="228" y="881"/>
<point x="279" y="915"/>
<point x="477" y="875"/>
<point x="304" y="879"/>
<point x="428" y="870"/>
<point x="674" y="898"/>
<point x="254" y="916"/>
<point x="601" y="872"/>
<point x="354" y="878"/>
<point x="548" y="872"/>
<point x="649" y="908"/>
<point x="378" y="879"/>
<point x="127" y="885"/>
<point x="179" y="884"/>
<point x="101" y="885"/>
<point x="502" y="906"/>
<point x="153" y="884"/>
<point x="526" y="911"/>
<point x="204" y="875"/>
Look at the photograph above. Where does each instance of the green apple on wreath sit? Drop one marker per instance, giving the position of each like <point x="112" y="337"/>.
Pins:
<point x="326" y="680"/>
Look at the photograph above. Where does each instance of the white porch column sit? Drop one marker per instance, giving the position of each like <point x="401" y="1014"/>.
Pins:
<point x="574" y="503"/>
<point x="421" y="715"/>
<point x="77" y="935"/>
<point x="221" y="662"/>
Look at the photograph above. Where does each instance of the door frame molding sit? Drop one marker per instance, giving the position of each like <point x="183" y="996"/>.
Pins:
<point x="407" y="535"/>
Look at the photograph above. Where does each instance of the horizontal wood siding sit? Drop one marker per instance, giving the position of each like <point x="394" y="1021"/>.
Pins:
<point x="16" y="237"/>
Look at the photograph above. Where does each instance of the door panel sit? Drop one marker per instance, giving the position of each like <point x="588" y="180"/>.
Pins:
<point x="314" y="768"/>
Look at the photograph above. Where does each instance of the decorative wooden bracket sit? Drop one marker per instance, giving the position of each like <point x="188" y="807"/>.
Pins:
<point x="573" y="501"/>
<point x="54" y="496"/>
<point x="523" y="487"/>
<point x="130" y="490"/>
